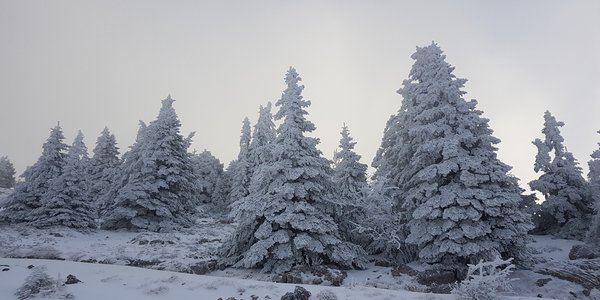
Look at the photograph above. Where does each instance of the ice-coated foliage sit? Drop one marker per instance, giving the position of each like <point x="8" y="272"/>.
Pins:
<point x="593" y="234"/>
<point x="102" y="166"/>
<point x="486" y="280"/>
<point x="349" y="174"/>
<point x="391" y="158"/>
<point x="156" y="188"/>
<point x="240" y="177"/>
<point x="130" y="163"/>
<point x="567" y="207"/>
<point x="281" y="223"/>
<point x="7" y="173"/>
<point x="209" y="171"/>
<point x="380" y="230"/>
<point x="456" y="196"/>
<point x="38" y="283"/>
<point x="350" y="188"/>
<point x="30" y="193"/>
<point x="66" y="201"/>
<point x="264" y="134"/>
<point x="220" y="198"/>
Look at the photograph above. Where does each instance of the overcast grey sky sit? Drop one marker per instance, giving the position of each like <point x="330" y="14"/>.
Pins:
<point x="90" y="64"/>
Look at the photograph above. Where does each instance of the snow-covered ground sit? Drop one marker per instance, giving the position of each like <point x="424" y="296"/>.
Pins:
<point x="120" y="282"/>
<point x="110" y="255"/>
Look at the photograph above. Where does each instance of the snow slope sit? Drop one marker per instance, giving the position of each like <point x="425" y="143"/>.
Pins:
<point x="120" y="282"/>
<point x="115" y="252"/>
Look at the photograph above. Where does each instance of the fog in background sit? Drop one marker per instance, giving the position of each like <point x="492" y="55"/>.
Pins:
<point x="90" y="64"/>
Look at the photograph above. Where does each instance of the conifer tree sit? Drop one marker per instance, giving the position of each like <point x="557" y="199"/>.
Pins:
<point x="30" y="193"/>
<point x="349" y="174"/>
<point x="264" y="134"/>
<point x="240" y="179"/>
<point x="220" y="197"/>
<point x="567" y="208"/>
<point x="102" y="166"/>
<point x="593" y="234"/>
<point x="130" y="163"/>
<point x="457" y="197"/>
<point x="209" y="171"/>
<point x="350" y="188"/>
<point x="7" y="173"/>
<point x="158" y="193"/>
<point x="281" y="225"/>
<point x="66" y="203"/>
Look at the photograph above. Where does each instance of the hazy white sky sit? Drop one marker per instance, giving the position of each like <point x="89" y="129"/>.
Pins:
<point x="90" y="64"/>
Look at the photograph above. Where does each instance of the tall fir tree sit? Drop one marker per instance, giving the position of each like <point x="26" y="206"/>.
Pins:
<point x="30" y="193"/>
<point x="130" y="164"/>
<point x="350" y="188"/>
<point x="593" y="234"/>
<point x="240" y="179"/>
<point x="567" y="207"/>
<point x="66" y="202"/>
<point x="7" y="173"/>
<point x="458" y="199"/>
<point x="102" y="166"/>
<point x="264" y="134"/>
<point x="349" y="174"/>
<point x="221" y="195"/>
<point x="281" y="224"/>
<point x="157" y="191"/>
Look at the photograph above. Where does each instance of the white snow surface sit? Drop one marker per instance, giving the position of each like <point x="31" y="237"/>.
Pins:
<point x="120" y="282"/>
<point x="177" y="251"/>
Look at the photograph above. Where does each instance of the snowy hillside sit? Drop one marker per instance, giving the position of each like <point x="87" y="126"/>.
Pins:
<point x="193" y="251"/>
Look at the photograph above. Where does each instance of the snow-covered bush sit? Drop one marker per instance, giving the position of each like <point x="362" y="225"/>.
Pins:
<point x="38" y="282"/>
<point x="382" y="231"/>
<point x="326" y="295"/>
<point x="486" y="280"/>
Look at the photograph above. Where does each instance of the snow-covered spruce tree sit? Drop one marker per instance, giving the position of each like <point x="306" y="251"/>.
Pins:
<point x="157" y="191"/>
<point x="388" y="227"/>
<point x="264" y="134"/>
<point x="66" y="202"/>
<point x="7" y="173"/>
<point x="462" y="203"/>
<point x="220" y="197"/>
<point x="350" y="186"/>
<point x="567" y="208"/>
<point x="209" y="171"/>
<point x="349" y="174"/>
<point x="30" y="193"/>
<point x="240" y="179"/>
<point x="102" y="166"/>
<point x="282" y="224"/>
<point x="130" y="163"/>
<point x="593" y="235"/>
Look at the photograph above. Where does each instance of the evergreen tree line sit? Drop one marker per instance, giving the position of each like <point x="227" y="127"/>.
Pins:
<point x="439" y="193"/>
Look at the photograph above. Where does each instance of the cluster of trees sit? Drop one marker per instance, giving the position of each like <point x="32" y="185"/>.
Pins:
<point x="439" y="193"/>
